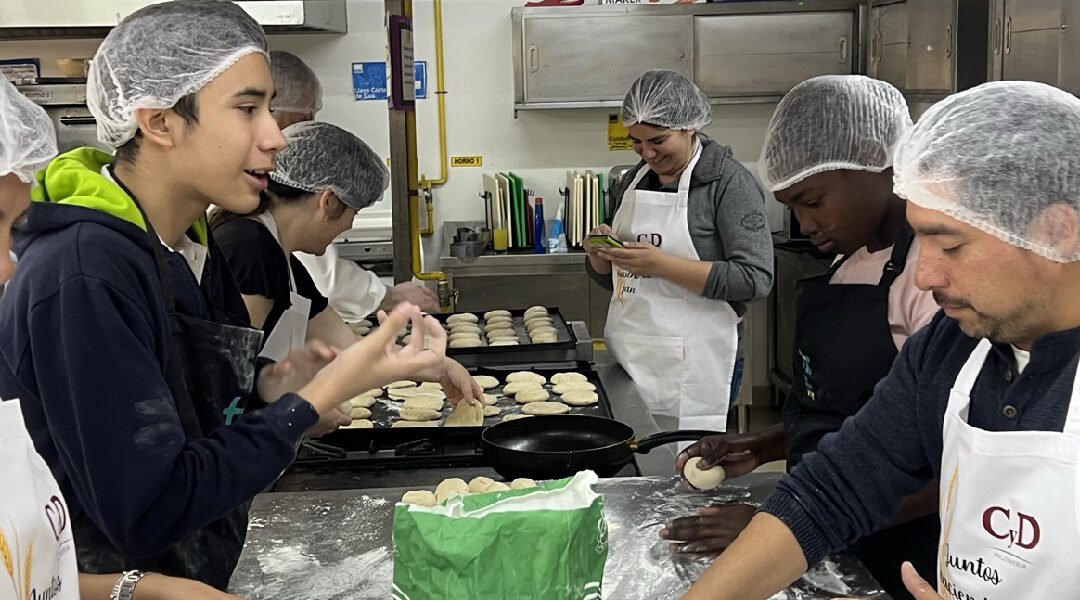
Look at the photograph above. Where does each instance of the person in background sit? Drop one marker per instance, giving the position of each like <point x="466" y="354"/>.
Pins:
<point x="28" y="143"/>
<point x="353" y="292"/>
<point x="696" y="249"/>
<point x="985" y="397"/>
<point x="123" y="334"/>
<point x="828" y="156"/>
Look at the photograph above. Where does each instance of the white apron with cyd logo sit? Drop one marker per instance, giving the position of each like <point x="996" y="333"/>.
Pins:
<point x="290" y="331"/>
<point x="37" y="552"/>
<point x="1009" y="519"/>
<point x="679" y="347"/>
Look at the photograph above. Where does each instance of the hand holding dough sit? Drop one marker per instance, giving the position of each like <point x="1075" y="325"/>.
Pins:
<point x="707" y="479"/>
<point x="467" y="413"/>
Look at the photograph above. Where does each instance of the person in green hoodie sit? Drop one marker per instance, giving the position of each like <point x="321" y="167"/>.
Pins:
<point x="123" y="333"/>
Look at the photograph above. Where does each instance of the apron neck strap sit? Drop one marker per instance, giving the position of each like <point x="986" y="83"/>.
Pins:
<point x="898" y="260"/>
<point x="155" y="243"/>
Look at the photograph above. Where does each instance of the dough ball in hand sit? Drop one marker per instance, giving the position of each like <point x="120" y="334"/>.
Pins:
<point x="708" y="479"/>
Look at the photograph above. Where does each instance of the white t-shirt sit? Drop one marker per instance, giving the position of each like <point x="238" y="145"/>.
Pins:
<point x="909" y="307"/>
<point x="353" y="292"/>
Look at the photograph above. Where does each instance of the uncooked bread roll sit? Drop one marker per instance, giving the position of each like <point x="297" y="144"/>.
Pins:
<point x="360" y="413"/>
<point x="504" y="342"/>
<point x="416" y="414"/>
<point x="424" y="403"/>
<point x="463" y="335"/>
<point x="400" y="384"/>
<point x="539" y="331"/>
<point x="466" y="414"/>
<point x="414" y="424"/>
<point x="449" y="488"/>
<point x="498" y="319"/>
<point x="568" y="377"/>
<point x="536" y="310"/>
<point x="708" y="479"/>
<point x="480" y="485"/>
<point x="532" y="395"/>
<point x="526" y="376"/>
<point x="466" y="343"/>
<point x="515" y="387"/>
<point x="363" y="401"/>
<point x="486" y="381"/>
<point x="490" y="399"/>
<point x="580" y="397"/>
<point x="502" y="334"/>
<point x="496" y="313"/>
<point x="522" y="483"/>
<point x="499" y="326"/>
<point x="545" y="408"/>
<point x="419" y="498"/>
<point x="545" y="338"/>
<point x="359" y="424"/>
<point x="465" y="328"/>
<point x="515" y="416"/>
<point x="345" y="407"/>
<point x="430" y="385"/>
<point x="497" y="486"/>
<point x="569" y="386"/>
<point x="403" y="393"/>
<point x="461" y="318"/>
<point x="491" y="411"/>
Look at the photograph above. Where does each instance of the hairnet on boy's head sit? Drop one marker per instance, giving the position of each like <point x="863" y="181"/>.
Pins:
<point x="321" y="156"/>
<point x="831" y="123"/>
<point x="666" y="99"/>
<point x="298" y="89"/>
<point x="27" y="137"/>
<point x="161" y="53"/>
<point x="996" y="157"/>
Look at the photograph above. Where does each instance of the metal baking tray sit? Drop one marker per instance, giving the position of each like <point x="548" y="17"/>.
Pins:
<point x="526" y="352"/>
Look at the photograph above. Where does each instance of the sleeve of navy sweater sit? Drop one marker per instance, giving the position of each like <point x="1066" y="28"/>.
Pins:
<point x="119" y="440"/>
<point x="855" y="481"/>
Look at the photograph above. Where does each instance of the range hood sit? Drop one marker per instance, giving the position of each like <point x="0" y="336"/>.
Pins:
<point x="81" y="19"/>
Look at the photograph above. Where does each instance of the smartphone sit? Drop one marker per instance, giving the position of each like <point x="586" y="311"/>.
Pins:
<point x="604" y="240"/>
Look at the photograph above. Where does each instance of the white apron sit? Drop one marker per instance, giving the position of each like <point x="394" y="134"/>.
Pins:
<point x="290" y="331"/>
<point x="38" y="557"/>
<point x="679" y="347"/>
<point x="1009" y="519"/>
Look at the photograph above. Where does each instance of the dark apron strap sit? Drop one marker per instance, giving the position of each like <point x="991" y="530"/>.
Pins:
<point x="898" y="260"/>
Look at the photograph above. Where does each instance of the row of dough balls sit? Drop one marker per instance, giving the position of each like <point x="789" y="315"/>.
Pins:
<point x="464" y="330"/>
<point x="454" y="486"/>
<point x="526" y="387"/>
<point x="540" y="326"/>
<point x="423" y="402"/>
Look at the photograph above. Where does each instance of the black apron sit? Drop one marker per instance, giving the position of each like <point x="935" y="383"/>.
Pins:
<point x="210" y="371"/>
<point x="843" y="348"/>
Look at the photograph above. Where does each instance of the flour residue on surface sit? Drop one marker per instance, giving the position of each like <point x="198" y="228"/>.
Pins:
<point x="360" y="577"/>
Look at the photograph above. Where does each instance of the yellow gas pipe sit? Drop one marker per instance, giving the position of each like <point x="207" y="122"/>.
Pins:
<point x="440" y="97"/>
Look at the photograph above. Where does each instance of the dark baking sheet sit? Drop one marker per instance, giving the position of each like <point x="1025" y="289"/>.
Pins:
<point x="567" y="340"/>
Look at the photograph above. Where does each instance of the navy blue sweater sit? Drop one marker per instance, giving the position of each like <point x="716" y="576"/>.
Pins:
<point x="892" y="447"/>
<point x="83" y="332"/>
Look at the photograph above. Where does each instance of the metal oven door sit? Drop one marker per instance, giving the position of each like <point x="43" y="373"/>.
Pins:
<point x="75" y="128"/>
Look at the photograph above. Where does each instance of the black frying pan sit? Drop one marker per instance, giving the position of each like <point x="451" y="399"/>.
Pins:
<point x="551" y="447"/>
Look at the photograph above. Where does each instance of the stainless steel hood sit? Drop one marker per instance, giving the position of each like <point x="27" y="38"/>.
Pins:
<point x="80" y="19"/>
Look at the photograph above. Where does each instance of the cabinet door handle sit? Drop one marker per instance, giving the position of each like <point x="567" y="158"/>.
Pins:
<point x="948" y="41"/>
<point x="534" y="58"/>
<point x="997" y="36"/>
<point x="1008" y="35"/>
<point x="843" y="49"/>
<point x="874" y="48"/>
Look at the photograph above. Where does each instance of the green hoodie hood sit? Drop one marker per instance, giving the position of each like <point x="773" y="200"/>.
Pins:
<point x="75" y="178"/>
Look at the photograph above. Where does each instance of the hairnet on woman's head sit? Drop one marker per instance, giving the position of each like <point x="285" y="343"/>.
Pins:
<point x="321" y="156"/>
<point x="27" y="138"/>
<point x="996" y="157"/>
<point x="298" y="89"/>
<point x="831" y="123"/>
<point x="666" y="99"/>
<point x="161" y="53"/>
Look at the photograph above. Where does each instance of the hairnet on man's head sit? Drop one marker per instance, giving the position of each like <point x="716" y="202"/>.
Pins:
<point x="831" y="123"/>
<point x="996" y="157"/>
<point x="298" y="89"/>
<point x="27" y="138"/>
<point x="666" y="99"/>
<point x="161" y="53"/>
<point x="321" y="156"/>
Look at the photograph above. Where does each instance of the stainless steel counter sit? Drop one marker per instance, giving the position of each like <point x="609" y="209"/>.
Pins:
<point x="338" y="545"/>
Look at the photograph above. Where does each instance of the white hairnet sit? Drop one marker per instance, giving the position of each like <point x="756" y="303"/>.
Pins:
<point x="995" y="157"/>
<point x="322" y="156"/>
<point x="298" y="89"/>
<point x="27" y="138"/>
<point x="831" y="123"/>
<point x="666" y="99"/>
<point x="161" y="53"/>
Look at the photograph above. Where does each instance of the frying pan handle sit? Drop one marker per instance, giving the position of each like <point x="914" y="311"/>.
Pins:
<point x="644" y="445"/>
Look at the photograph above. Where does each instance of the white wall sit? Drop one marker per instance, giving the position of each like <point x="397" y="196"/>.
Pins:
<point x="539" y="145"/>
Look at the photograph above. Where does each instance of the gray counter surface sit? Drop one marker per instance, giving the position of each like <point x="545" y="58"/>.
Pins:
<point x="337" y="545"/>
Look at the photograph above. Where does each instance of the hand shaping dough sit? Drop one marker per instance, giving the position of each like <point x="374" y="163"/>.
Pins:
<point x="569" y="386"/>
<point x="461" y="318"/>
<point x="397" y="385"/>
<point x="466" y="414"/>
<point x="360" y="413"/>
<point x="480" y="485"/>
<point x="359" y="424"/>
<point x="449" y="488"/>
<point x="415" y="424"/>
<point x="419" y="498"/>
<point x="532" y="395"/>
<point x="580" y="397"/>
<point x="707" y="479"/>
<point x="545" y="408"/>
<point x="522" y="483"/>
<point x="567" y="378"/>
<point x="345" y="407"/>
<point x="415" y="414"/>
<point x="486" y="381"/>
<point x="515" y="387"/>
<point x="424" y="403"/>
<point x="491" y="411"/>
<point x="466" y="343"/>
<point x="514" y="417"/>
<point x="526" y="376"/>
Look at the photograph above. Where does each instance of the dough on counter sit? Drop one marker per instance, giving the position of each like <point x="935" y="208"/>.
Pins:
<point x="419" y="498"/>
<point x="490" y="327"/>
<point x="424" y="403"/>
<point x="707" y="479"/>
<point x="491" y="411"/>
<point x="545" y="408"/>
<point x="400" y="384"/>
<point x="448" y="488"/>
<point x="514" y="416"/>
<point x="360" y="413"/>
<point x="504" y="342"/>
<point x="415" y="424"/>
<point x="466" y="414"/>
<point x="486" y="381"/>
<point x="522" y="483"/>
<point x="532" y="395"/>
<point x="417" y="414"/>
<point x="526" y="376"/>
<point x="461" y="318"/>
<point x="570" y="386"/>
<point x="568" y="377"/>
<point x="480" y="485"/>
<point x="496" y="313"/>
<point x="359" y="424"/>
<point x="580" y="397"/>
<point x="466" y="343"/>
<point x="514" y="387"/>
<point x="363" y="401"/>
<point x="430" y="385"/>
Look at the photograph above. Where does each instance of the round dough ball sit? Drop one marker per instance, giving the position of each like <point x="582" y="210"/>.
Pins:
<point x="491" y="411"/>
<point x="486" y="381"/>
<point x="363" y="400"/>
<point x="424" y="403"/>
<point x="545" y="408"/>
<point x="415" y="424"/>
<point x="708" y="479"/>
<point x="497" y="327"/>
<point x="526" y="376"/>
<point x="466" y="343"/>
<point x="496" y="313"/>
<point x="490" y="399"/>
<point x="359" y="424"/>
<point x="504" y="342"/>
<point x="417" y="414"/>
<point x="580" y="397"/>
<point x="545" y="339"/>
<point x="567" y="377"/>
<point x="400" y="384"/>
<point x="360" y="413"/>
<point x="569" y="386"/>
<point x="461" y="318"/>
<point x="515" y="387"/>
<point x="497" y="486"/>
<point x="450" y="488"/>
<point x="480" y="485"/>
<point x="419" y="498"/>
<point x="515" y="416"/>
<point x="522" y="483"/>
<point x="532" y="395"/>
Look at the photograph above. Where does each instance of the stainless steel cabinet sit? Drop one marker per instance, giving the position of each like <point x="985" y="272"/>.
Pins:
<point x="888" y="46"/>
<point x="931" y="25"/>
<point x="767" y="54"/>
<point x="1032" y="37"/>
